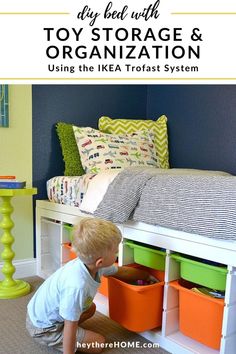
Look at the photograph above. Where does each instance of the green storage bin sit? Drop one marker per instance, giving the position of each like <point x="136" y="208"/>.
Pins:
<point x="147" y="256"/>
<point x="69" y="228"/>
<point x="211" y="276"/>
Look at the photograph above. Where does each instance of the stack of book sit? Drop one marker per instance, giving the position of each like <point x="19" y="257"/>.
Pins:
<point x="10" y="182"/>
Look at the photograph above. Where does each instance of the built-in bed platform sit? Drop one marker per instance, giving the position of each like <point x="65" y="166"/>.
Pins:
<point x="51" y="233"/>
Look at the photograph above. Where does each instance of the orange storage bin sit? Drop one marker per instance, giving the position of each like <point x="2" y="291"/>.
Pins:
<point x="137" y="308"/>
<point x="103" y="288"/>
<point x="200" y="316"/>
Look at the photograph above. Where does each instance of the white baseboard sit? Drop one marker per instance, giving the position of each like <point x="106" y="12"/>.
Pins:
<point x="24" y="268"/>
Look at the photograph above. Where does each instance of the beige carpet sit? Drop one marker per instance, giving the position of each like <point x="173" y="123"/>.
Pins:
<point x="14" y="337"/>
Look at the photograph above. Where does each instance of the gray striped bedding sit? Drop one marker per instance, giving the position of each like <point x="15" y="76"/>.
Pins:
<point x="193" y="201"/>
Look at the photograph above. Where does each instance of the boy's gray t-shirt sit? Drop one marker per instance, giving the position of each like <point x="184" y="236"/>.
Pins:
<point x="65" y="294"/>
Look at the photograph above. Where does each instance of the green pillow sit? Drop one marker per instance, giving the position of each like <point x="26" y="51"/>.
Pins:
<point x="124" y="126"/>
<point x="70" y="152"/>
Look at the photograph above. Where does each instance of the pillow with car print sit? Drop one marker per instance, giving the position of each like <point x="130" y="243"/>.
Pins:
<point x="100" y="151"/>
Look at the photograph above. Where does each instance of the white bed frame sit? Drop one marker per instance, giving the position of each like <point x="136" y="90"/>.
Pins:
<point x="51" y="233"/>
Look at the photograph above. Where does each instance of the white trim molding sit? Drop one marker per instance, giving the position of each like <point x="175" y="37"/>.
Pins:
<point x="24" y="268"/>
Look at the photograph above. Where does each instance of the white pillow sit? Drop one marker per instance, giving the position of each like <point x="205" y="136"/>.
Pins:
<point x="96" y="190"/>
<point x="100" y="151"/>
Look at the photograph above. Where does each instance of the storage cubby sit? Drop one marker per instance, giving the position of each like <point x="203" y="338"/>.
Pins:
<point x="53" y="247"/>
<point x="50" y="247"/>
<point x="179" y="301"/>
<point x="179" y="256"/>
<point x="200" y="316"/>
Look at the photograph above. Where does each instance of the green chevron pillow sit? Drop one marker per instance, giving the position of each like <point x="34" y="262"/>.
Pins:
<point x="128" y="126"/>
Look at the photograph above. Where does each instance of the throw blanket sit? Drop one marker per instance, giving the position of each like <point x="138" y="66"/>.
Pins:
<point x="194" y="201"/>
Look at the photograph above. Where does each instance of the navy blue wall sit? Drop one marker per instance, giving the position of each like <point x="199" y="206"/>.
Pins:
<point x="201" y="124"/>
<point x="78" y="104"/>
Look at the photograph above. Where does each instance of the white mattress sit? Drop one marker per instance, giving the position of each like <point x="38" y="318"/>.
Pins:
<point x="68" y="190"/>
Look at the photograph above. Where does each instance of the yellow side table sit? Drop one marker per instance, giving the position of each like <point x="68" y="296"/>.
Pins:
<point x="10" y="288"/>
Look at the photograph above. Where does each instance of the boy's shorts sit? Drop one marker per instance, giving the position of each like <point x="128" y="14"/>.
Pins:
<point x="51" y="336"/>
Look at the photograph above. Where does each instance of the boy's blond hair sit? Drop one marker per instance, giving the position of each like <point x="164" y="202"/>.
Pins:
<point x="94" y="238"/>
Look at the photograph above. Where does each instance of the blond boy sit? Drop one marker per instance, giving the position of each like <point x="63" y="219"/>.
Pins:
<point x="65" y="300"/>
